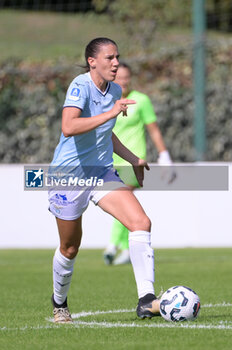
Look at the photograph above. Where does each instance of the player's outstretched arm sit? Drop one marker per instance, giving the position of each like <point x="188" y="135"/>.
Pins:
<point x="164" y="158"/>
<point x="73" y="124"/>
<point x="137" y="163"/>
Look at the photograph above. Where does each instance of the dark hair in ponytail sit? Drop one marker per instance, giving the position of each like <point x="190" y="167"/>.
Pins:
<point x="93" y="48"/>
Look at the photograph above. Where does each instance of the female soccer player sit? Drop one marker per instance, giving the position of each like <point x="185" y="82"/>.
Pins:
<point x="131" y="132"/>
<point x="86" y="146"/>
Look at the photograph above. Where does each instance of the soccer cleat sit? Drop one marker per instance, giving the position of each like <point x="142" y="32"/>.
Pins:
<point x="109" y="255"/>
<point x="122" y="258"/>
<point x="148" y="306"/>
<point x="61" y="312"/>
<point x="108" y="258"/>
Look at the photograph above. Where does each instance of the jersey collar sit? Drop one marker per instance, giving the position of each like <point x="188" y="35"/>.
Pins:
<point x="101" y="92"/>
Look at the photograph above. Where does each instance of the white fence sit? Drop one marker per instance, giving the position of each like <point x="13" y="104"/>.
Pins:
<point x="180" y="218"/>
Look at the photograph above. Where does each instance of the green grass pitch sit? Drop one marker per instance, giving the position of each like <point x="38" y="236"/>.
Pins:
<point x="103" y="298"/>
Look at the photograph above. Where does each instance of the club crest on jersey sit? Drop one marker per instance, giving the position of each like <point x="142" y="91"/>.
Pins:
<point x="75" y="94"/>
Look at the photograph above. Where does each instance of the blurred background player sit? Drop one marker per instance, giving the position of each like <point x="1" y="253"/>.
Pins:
<point x="130" y="130"/>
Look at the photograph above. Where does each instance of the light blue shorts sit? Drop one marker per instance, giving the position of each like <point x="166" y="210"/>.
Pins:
<point x="71" y="204"/>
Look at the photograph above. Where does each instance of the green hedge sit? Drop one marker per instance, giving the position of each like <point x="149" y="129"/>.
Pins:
<point x="31" y="98"/>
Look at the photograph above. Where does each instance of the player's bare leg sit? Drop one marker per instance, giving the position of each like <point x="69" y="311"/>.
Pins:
<point x="125" y="207"/>
<point x="118" y="240"/>
<point x="70" y="233"/>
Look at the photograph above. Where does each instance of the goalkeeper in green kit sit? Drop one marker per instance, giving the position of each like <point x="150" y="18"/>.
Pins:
<point x="130" y="130"/>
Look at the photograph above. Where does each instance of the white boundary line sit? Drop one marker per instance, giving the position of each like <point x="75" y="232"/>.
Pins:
<point x="223" y="325"/>
<point x="217" y="305"/>
<point x="94" y="313"/>
<point x="94" y="324"/>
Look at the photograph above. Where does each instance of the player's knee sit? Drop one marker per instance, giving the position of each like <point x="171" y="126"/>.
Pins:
<point x="141" y="223"/>
<point x="70" y="252"/>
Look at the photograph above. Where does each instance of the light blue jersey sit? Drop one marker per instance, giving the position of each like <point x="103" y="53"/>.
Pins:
<point x="93" y="149"/>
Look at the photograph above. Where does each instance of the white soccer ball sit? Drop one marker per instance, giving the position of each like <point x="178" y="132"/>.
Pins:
<point x="179" y="303"/>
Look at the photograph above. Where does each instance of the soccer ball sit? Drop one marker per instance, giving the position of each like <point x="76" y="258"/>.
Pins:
<point x="179" y="303"/>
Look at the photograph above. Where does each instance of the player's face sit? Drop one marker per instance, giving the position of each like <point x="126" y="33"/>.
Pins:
<point x="123" y="78"/>
<point x="105" y="64"/>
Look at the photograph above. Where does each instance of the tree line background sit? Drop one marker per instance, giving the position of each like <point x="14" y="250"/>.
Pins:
<point x="219" y="12"/>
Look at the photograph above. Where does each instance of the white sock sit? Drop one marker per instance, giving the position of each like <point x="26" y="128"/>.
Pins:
<point x="111" y="248"/>
<point x="62" y="275"/>
<point x="142" y="259"/>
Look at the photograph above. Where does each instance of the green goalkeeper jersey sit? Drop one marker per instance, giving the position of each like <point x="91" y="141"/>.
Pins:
<point x="130" y="129"/>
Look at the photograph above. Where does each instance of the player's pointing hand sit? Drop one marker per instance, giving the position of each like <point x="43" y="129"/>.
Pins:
<point x="121" y="106"/>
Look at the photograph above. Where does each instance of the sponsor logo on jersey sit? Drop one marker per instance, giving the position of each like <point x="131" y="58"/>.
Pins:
<point x="97" y="102"/>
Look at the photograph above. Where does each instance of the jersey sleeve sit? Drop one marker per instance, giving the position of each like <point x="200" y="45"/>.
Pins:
<point x="147" y="110"/>
<point x="76" y="95"/>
